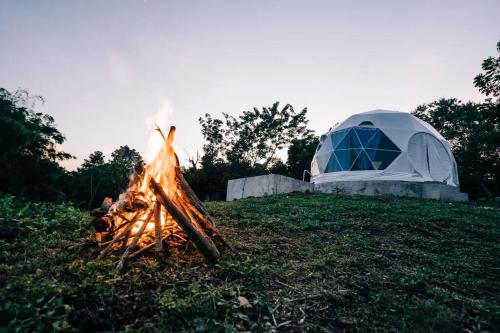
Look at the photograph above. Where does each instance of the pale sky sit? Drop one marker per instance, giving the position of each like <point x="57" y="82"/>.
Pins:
<point x="105" y="66"/>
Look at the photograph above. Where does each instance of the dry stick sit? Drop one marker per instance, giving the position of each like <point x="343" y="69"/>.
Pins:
<point x="190" y="193"/>
<point x="121" y="225"/>
<point x="197" y="236"/>
<point x="142" y="249"/>
<point x="158" y="231"/>
<point x="202" y="220"/>
<point x="128" y="251"/>
<point x="119" y="237"/>
<point x="120" y="215"/>
<point x="187" y="212"/>
<point x="186" y="188"/>
<point x="196" y="203"/>
<point x="125" y="240"/>
<point x="199" y="219"/>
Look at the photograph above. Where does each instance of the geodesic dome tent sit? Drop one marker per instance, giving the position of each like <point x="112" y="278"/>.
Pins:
<point x="384" y="145"/>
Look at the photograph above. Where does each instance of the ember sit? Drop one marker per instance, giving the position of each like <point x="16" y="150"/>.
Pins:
<point x="159" y="206"/>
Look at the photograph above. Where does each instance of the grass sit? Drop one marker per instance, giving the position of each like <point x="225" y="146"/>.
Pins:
<point x="309" y="262"/>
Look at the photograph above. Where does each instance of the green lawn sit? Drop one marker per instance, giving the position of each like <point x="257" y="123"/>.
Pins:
<point x="309" y="262"/>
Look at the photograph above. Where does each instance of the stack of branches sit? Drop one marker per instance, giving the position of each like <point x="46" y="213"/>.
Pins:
<point x="139" y="222"/>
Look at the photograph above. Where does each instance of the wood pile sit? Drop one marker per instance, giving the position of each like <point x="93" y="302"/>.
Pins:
<point x="158" y="207"/>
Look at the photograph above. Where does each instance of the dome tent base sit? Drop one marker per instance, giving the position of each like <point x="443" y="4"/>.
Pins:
<point x="261" y="186"/>
<point x="393" y="188"/>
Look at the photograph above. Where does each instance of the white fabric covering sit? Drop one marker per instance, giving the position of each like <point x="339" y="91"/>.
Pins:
<point x="424" y="154"/>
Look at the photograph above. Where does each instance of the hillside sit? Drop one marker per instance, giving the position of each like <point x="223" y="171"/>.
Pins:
<point x="308" y="262"/>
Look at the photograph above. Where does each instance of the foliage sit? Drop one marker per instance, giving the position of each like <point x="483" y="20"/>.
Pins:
<point x="248" y="145"/>
<point x="97" y="179"/>
<point x="300" y="155"/>
<point x="29" y="149"/>
<point x="474" y="134"/>
<point x="489" y="81"/>
<point x="124" y="161"/>
<point x="255" y="137"/>
<point x="309" y="262"/>
<point x="473" y="131"/>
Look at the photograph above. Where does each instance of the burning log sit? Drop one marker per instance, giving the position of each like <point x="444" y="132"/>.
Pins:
<point x="158" y="205"/>
<point x="194" y="233"/>
<point x="128" y="251"/>
<point x="158" y="231"/>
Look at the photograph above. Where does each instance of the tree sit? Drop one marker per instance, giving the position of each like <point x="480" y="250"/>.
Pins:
<point x="255" y="137"/>
<point x="96" y="179"/>
<point x="489" y="81"/>
<point x="473" y="131"/>
<point x="123" y="161"/>
<point x="29" y="150"/>
<point x="244" y="146"/>
<point x="300" y="155"/>
<point x="91" y="183"/>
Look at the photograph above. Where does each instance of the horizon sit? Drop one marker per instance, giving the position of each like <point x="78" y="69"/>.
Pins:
<point x="105" y="68"/>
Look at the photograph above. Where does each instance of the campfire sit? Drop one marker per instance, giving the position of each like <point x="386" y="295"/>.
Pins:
<point x="159" y="208"/>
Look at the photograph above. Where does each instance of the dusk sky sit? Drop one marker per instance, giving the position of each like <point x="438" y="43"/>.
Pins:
<point x="104" y="67"/>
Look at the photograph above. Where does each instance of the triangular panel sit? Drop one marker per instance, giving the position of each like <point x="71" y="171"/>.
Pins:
<point x="336" y="137"/>
<point x="381" y="141"/>
<point x="381" y="158"/>
<point x="349" y="141"/>
<point x="346" y="157"/>
<point x="333" y="165"/>
<point x="322" y="161"/>
<point x="365" y="134"/>
<point x="362" y="162"/>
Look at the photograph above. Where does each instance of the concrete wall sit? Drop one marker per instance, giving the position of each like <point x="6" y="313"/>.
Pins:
<point x="425" y="190"/>
<point x="275" y="184"/>
<point x="264" y="185"/>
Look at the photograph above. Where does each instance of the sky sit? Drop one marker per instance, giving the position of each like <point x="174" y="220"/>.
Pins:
<point x="106" y="67"/>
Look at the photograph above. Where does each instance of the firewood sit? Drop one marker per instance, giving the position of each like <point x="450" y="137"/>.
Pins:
<point x="207" y="222"/>
<point x="125" y="240"/>
<point x="158" y="231"/>
<point x="194" y="198"/>
<point x="179" y="216"/>
<point x="144" y="248"/>
<point x="103" y="210"/>
<point x="133" y="243"/>
<point x="211" y="229"/>
<point x="119" y="237"/>
<point x="102" y="223"/>
<point x="194" y="232"/>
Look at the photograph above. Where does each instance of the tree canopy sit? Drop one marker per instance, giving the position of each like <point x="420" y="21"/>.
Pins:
<point x="96" y="179"/>
<point x="255" y="137"/>
<point x="29" y="149"/>
<point x="250" y="145"/>
<point x="488" y="82"/>
<point x="473" y="131"/>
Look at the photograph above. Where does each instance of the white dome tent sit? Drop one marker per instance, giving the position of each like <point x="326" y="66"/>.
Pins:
<point x="376" y="153"/>
<point x="383" y="147"/>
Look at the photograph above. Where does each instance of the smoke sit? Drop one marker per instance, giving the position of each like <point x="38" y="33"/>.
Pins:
<point x="163" y="119"/>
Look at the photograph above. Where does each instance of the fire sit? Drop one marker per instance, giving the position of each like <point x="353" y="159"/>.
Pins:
<point x="158" y="209"/>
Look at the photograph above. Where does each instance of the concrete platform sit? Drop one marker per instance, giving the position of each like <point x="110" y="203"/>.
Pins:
<point x="261" y="186"/>
<point x="423" y="190"/>
<point x="276" y="184"/>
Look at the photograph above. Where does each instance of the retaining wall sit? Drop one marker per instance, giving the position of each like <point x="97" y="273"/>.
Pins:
<point x="275" y="184"/>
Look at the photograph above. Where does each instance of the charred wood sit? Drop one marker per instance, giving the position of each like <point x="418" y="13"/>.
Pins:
<point x="193" y="231"/>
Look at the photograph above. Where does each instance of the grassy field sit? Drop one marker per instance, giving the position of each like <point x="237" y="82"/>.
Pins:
<point x="308" y="262"/>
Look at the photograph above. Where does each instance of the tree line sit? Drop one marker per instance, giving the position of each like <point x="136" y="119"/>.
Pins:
<point x="29" y="158"/>
<point x="247" y="145"/>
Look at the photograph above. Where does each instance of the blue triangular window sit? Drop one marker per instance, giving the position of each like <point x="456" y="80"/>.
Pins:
<point x="349" y="141"/>
<point x="381" y="141"/>
<point x="333" y="165"/>
<point x="365" y="134"/>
